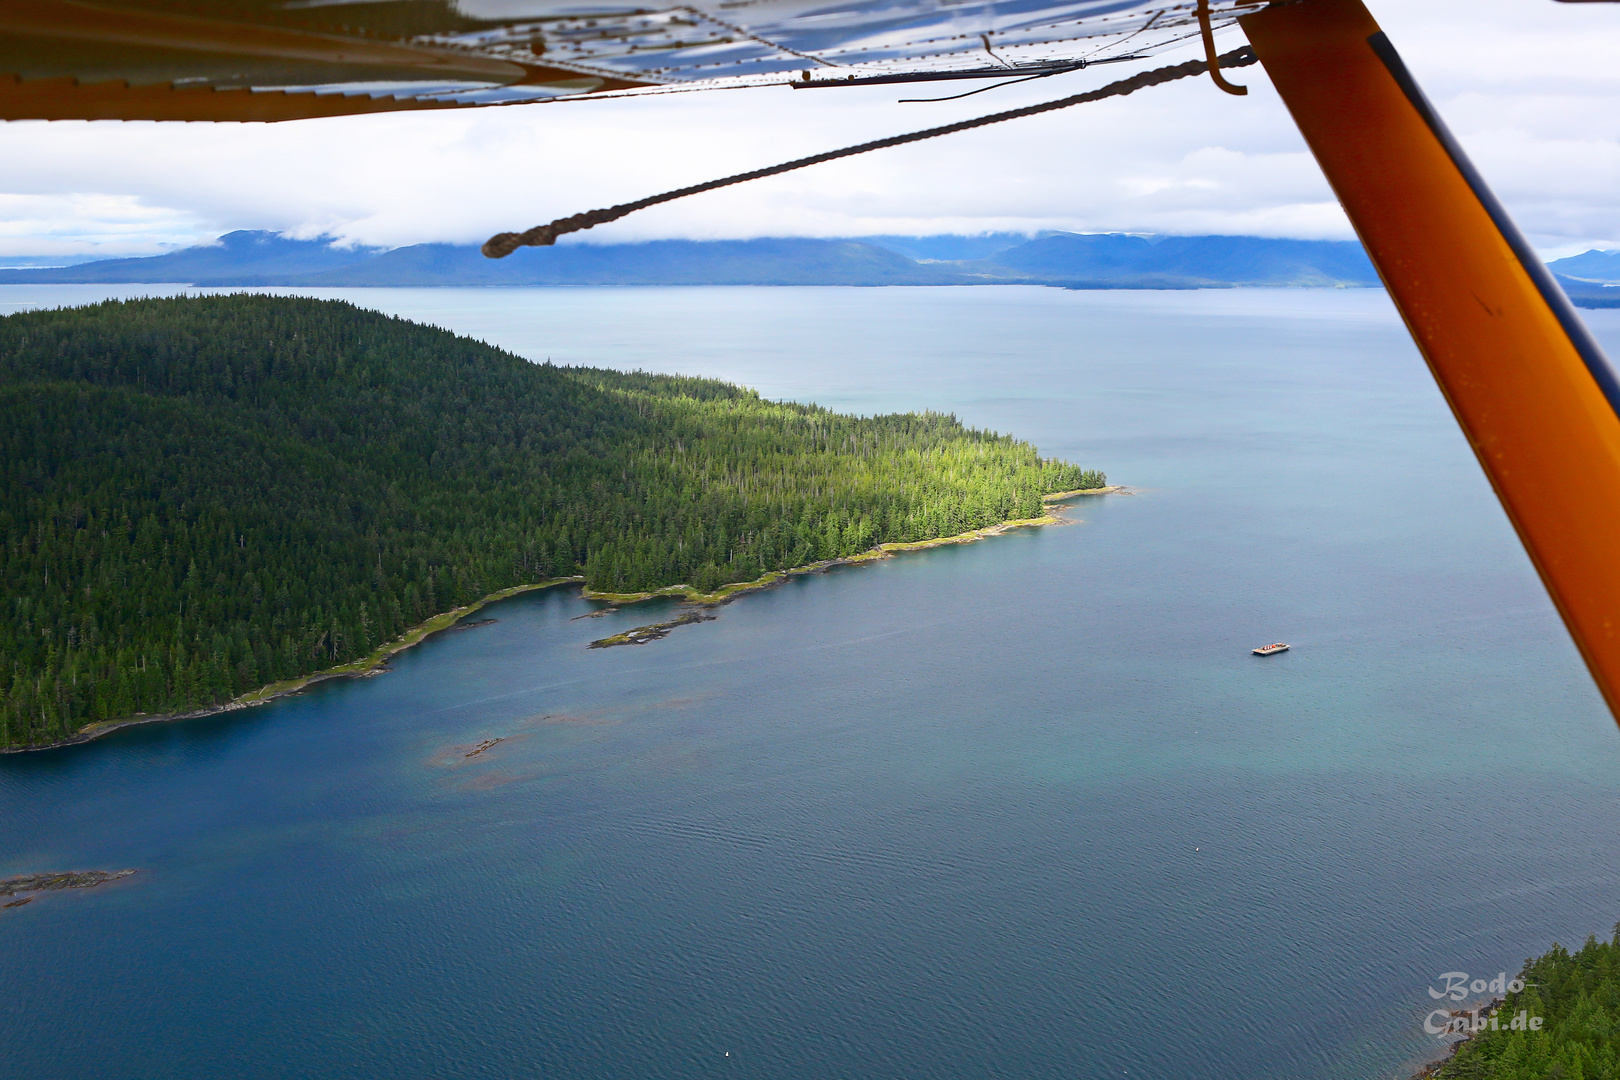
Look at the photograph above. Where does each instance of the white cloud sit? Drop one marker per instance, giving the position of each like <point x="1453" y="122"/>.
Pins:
<point x="1530" y="86"/>
<point x="110" y="225"/>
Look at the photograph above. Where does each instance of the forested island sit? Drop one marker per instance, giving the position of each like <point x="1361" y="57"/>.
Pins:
<point x="1577" y="998"/>
<point x="205" y="495"/>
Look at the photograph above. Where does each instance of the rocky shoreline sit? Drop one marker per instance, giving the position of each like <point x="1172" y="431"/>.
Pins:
<point x="366" y="667"/>
<point x="882" y="551"/>
<point x="704" y="602"/>
<point x="374" y="664"/>
<point x="1485" y="1011"/>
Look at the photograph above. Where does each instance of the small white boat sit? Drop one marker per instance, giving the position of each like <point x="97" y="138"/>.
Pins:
<point x="1274" y="647"/>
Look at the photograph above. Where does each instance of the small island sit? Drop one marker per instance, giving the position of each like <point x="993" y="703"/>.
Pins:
<point x="21" y="890"/>
<point x="212" y="501"/>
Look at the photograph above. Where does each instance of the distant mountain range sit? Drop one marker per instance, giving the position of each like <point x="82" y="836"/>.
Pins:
<point x="1111" y="261"/>
<point x="1071" y="260"/>
<point x="235" y="257"/>
<point x="1592" y="279"/>
<point x="1593" y="266"/>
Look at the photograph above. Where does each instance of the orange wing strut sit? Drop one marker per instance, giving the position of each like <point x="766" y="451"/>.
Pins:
<point x="1532" y="390"/>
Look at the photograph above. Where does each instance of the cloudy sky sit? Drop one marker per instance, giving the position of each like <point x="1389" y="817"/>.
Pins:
<point x="1531" y="87"/>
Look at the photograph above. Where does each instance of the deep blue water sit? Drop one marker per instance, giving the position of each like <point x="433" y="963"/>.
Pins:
<point x="1024" y="808"/>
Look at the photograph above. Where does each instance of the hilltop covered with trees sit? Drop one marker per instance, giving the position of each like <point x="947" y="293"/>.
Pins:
<point x="199" y="496"/>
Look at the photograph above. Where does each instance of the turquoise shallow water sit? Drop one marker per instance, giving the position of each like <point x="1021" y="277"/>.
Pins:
<point x="1022" y="808"/>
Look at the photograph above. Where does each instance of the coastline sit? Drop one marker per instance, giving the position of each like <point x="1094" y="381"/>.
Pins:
<point x="726" y="593"/>
<point x="354" y="669"/>
<point x="1483" y="1011"/>
<point x="372" y="663"/>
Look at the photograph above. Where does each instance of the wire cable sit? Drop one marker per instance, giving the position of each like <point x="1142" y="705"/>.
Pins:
<point x="503" y="244"/>
<point x="980" y="90"/>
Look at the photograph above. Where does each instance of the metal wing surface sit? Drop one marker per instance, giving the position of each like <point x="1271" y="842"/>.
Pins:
<point x="288" y="59"/>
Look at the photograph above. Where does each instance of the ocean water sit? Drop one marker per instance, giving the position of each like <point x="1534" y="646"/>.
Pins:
<point x="1022" y="808"/>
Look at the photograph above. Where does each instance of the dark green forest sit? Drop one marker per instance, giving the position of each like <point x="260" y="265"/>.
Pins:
<point x="1577" y="997"/>
<point x="204" y="495"/>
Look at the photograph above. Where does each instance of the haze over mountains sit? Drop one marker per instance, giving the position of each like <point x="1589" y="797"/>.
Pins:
<point x="1079" y="261"/>
<point x="1072" y="260"/>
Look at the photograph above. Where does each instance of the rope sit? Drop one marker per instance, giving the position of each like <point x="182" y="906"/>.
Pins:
<point x="503" y="244"/>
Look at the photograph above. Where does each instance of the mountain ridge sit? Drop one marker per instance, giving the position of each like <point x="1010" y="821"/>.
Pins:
<point x="249" y="258"/>
<point x="1594" y="265"/>
<point x="1110" y="260"/>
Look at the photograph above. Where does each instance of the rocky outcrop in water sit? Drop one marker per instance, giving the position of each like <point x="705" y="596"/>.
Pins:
<point x="25" y="886"/>
<point x="643" y="634"/>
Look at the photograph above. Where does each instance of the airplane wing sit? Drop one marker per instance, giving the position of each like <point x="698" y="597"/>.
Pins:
<point x="269" y="60"/>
